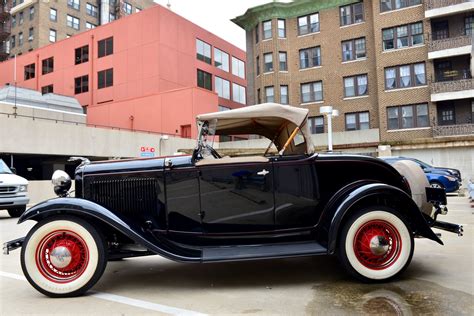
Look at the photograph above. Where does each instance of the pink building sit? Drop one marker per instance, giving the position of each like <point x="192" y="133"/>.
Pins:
<point x="151" y="71"/>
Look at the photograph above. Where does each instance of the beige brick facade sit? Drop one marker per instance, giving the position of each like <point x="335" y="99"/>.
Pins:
<point x="333" y="69"/>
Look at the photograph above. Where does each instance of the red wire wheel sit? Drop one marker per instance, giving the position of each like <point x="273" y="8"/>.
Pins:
<point x="62" y="256"/>
<point x="377" y="244"/>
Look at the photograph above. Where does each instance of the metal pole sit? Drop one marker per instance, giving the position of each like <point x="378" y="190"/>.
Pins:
<point x="14" y="80"/>
<point x="330" y="132"/>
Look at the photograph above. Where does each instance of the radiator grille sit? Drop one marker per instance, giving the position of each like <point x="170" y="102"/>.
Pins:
<point x="8" y="189"/>
<point x="127" y="195"/>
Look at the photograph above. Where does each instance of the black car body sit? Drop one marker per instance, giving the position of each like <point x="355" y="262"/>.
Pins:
<point x="208" y="209"/>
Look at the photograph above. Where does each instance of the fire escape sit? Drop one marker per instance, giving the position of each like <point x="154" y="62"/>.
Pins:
<point x="116" y="7"/>
<point x="5" y="28"/>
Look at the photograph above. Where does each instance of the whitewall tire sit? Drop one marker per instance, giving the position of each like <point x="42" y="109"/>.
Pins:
<point x="375" y="244"/>
<point x="63" y="256"/>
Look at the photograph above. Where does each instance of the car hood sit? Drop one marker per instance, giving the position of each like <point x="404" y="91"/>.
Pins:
<point x="12" y="179"/>
<point x="440" y="170"/>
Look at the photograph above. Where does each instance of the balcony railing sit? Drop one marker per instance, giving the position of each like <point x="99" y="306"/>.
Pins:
<point x="452" y="86"/>
<point x="435" y="4"/>
<point x="453" y="130"/>
<point x="450" y="42"/>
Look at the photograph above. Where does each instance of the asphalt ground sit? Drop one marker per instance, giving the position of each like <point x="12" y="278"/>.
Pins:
<point x="439" y="281"/>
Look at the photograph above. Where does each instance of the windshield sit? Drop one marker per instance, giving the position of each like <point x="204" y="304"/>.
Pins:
<point x="423" y="164"/>
<point x="4" y="168"/>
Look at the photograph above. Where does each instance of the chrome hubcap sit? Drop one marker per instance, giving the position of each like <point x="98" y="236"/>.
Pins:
<point x="379" y="245"/>
<point x="60" y="257"/>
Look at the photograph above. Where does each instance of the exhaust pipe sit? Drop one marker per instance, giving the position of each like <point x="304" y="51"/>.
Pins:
<point x="450" y="227"/>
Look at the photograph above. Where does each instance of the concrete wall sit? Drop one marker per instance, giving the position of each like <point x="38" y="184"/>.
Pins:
<point x="40" y="191"/>
<point x="458" y="158"/>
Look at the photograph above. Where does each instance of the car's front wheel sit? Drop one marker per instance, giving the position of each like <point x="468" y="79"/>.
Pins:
<point x="63" y="256"/>
<point x="375" y="244"/>
<point x="16" y="212"/>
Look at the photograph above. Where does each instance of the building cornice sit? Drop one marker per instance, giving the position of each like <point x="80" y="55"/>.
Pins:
<point x="296" y="8"/>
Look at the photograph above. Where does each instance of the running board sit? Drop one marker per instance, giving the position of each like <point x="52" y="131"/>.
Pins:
<point x="251" y="252"/>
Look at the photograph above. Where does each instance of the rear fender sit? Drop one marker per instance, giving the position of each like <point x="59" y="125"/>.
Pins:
<point x="366" y="193"/>
<point x="84" y="208"/>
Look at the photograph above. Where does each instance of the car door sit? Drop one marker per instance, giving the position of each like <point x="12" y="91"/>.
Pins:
<point x="237" y="197"/>
<point x="296" y="192"/>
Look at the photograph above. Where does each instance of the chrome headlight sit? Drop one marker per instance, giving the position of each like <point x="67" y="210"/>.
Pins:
<point x="62" y="182"/>
<point x="23" y="188"/>
<point x="451" y="178"/>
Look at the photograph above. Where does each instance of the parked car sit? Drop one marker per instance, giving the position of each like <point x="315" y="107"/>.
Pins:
<point x="207" y="208"/>
<point x="13" y="191"/>
<point x="445" y="178"/>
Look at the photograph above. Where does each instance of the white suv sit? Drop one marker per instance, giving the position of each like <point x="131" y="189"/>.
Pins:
<point x="13" y="191"/>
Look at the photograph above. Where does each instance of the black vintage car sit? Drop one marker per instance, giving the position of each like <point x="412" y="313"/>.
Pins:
<point x="207" y="208"/>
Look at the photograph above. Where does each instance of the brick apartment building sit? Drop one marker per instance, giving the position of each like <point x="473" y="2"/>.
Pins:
<point x="399" y="72"/>
<point x="151" y="71"/>
<point x="30" y="24"/>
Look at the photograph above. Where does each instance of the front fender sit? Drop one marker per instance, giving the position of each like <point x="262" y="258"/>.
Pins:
<point x="80" y="207"/>
<point x="390" y="193"/>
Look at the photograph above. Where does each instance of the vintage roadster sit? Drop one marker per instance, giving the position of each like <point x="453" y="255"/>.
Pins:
<point x="200" y="208"/>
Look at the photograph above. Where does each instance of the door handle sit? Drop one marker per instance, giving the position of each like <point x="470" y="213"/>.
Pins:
<point x="263" y="172"/>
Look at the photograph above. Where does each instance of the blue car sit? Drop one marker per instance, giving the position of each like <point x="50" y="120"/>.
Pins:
<point x="438" y="178"/>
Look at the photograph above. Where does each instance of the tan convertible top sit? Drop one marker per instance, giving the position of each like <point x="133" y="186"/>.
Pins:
<point x="274" y="121"/>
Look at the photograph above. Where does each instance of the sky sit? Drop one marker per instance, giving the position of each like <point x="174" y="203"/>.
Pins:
<point x="215" y="15"/>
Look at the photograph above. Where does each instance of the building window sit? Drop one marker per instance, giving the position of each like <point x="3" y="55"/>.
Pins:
<point x="204" y="79"/>
<point x="29" y="71"/>
<point x="403" y="36"/>
<point x="20" y="19"/>
<point x="32" y="12"/>
<point x="407" y="116"/>
<point x="257" y="31"/>
<point x="259" y="97"/>
<point x="269" y="94"/>
<point x="267" y="30"/>
<point x="283" y="61"/>
<point x="388" y="5"/>
<point x="47" y="89"/>
<point x="75" y="4"/>
<point x="73" y="22"/>
<point x="357" y="121"/>
<point x="312" y="92"/>
<point x="81" y="84"/>
<point x="238" y="67"/>
<point x="203" y="51"/>
<point x="351" y="14"/>
<point x="405" y="76"/>
<point x="106" y="47"/>
<point x="257" y="63"/>
<point x="31" y="34"/>
<point x="310" y="57"/>
<point x="353" y="49"/>
<point x="127" y="7"/>
<point x="355" y="86"/>
<point x="112" y="17"/>
<point x="308" y="24"/>
<point x="316" y="124"/>
<point x="47" y="65"/>
<point x="137" y="9"/>
<point x="468" y="25"/>
<point x="13" y="20"/>
<point x="268" y="62"/>
<point x="53" y="15"/>
<point x="92" y="10"/>
<point x="105" y="78"/>
<point x="52" y="35"/>
<point x="90" y="26"/>
<point x="284" y="95"/>
<point x="238" y="93"/>
<point x="221" y="59"/>
<point x="20" y="39"/>
<point x="81" y="55"/>
<point x="13" y="41"/>
<point x="281" y="28"/>
<point x="222" y="88"/>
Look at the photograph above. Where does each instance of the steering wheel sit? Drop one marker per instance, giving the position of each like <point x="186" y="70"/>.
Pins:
<point x="214" y="153"/>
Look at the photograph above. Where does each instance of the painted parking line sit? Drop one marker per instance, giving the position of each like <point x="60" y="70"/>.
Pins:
<point x="124" y="300"/>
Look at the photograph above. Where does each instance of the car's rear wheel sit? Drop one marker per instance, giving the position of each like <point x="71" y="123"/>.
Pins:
<point x="375" y="244"/>
<point x="63" y="256"/>
<point x="16" y="212"/>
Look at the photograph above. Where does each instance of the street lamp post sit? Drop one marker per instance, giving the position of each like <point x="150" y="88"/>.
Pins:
<point x="329" y="112"/>
<point x="162" y="137"/>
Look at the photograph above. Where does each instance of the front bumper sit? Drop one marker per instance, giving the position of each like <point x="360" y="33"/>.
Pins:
<point x="14" y="201"/>
<point x="437" y="197"/>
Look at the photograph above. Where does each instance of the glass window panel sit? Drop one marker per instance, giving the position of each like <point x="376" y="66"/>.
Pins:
<point x="283" y="63"/>
<point x="358" y="12"/>
<point x="314" y="22"/>
<point x="420" y="74"/>
<point x="267" y="29"/>
<point x="351" y="123"/>
<point x="347" y="51"/>
<point x="349" y="89"/>
<point x="390" y="75"/>
<point x="318" y="91"/>
<point x="302" y="25"/>
<point x="385" y="5"/>
<point x="405" y="76"/>
<point x="304" y="59"/>
<point x="364" y="120"/>
<point x="281" y="29"/>
<point x="362" y="85"/>
<point x="284" y="95"/>
<point x="305" y="93"/>
<point x="422" y="119"/>
<point x="407" y="116"/>
<point x="360" y="48"/>
<point x="269" y="94"/>
<point x="392" y="118"/>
